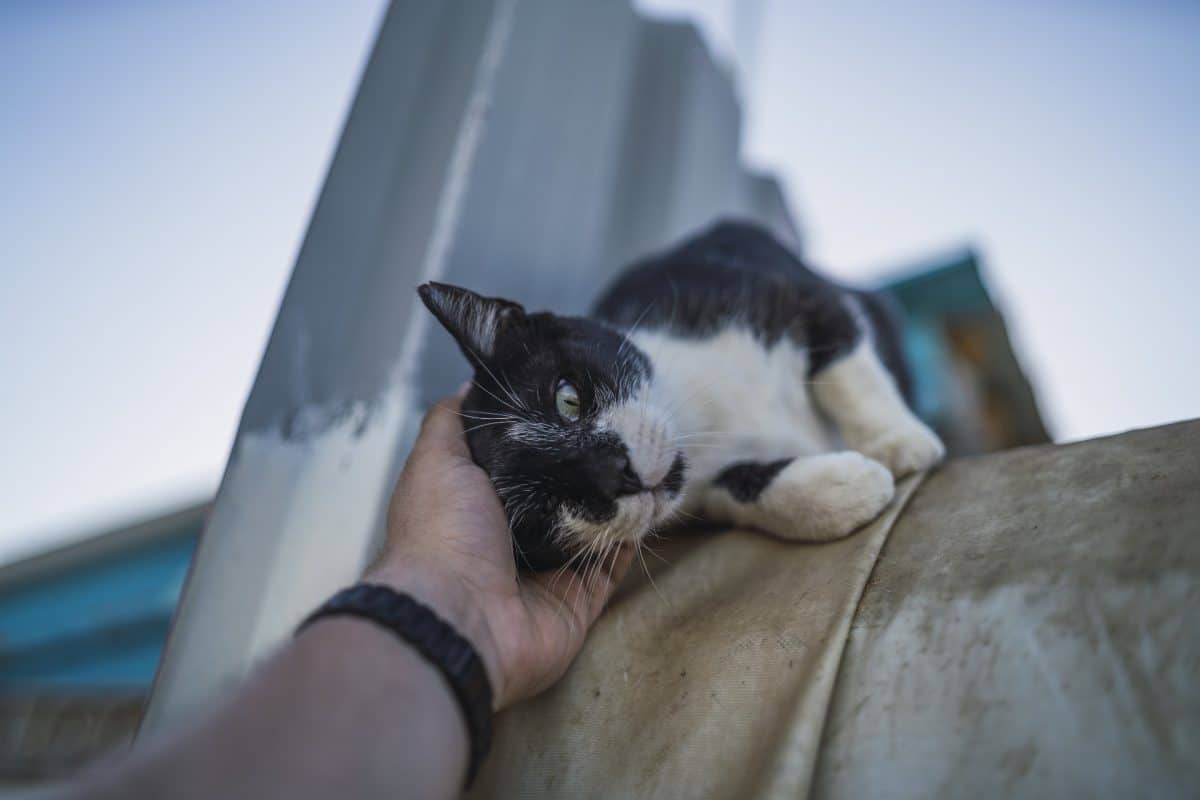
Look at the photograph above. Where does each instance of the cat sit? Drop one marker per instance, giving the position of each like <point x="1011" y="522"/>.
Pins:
<point x="722" y="380"/>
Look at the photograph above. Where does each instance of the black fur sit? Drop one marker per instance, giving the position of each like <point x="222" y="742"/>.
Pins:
<point x="747" y="479"/>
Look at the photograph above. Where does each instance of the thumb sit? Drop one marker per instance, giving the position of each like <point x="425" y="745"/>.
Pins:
<point x="442" y="428"/>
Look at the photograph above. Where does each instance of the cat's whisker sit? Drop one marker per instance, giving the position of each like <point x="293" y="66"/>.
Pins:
<point x="486" y="415"/>
<point x="558" y="600"/>
<point x="628" y="335"/>
<point x="601" y="548"/>
<point x="600" y="571"/>
<point x="506" y="387"/>
<point x="516" y="404"/>
<point x="672" y="411"/>
<point x="485" y="425"/>
<point x="580" y="574"/>
<point x="706" y="433"/>
<point x="652" y="551"/>
<point x="601" y="545"/>
<point x="522" y="558"/>
<point x="680" y="402"/>
<point x="491" y="394"/>
<point x="511" y="391"/>
<point x="484" y="412"/>
<point x="649" y="577"/>
<point x="567" y="565"/>
<point x="707" y="446"/>
<point x="580" y="553"/>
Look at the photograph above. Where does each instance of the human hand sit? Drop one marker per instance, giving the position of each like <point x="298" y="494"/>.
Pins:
<point x="449" y="546"/>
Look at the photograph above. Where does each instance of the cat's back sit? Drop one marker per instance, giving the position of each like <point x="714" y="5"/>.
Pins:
<point x="726" y="321"/>
<point x="736" y="282"/>
<point x="732" y="272"/>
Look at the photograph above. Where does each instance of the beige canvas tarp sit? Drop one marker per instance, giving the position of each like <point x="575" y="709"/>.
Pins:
<point x="1021" y="624"/>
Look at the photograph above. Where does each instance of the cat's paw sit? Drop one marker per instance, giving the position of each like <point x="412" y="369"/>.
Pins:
<point x="827" y="497"/>
<point x="906" y="449"/>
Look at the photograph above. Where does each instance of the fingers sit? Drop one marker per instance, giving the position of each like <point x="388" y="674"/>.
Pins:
<point x="442" y="430"/>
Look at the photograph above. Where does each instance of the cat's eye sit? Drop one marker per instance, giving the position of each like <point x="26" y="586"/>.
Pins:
<point x="566" y="400"/>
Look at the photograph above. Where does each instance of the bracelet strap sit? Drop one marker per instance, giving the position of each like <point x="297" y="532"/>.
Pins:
<point x="436" y="641"/>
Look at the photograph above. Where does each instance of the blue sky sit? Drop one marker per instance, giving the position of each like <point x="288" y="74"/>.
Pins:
<point x="158" y="162"/>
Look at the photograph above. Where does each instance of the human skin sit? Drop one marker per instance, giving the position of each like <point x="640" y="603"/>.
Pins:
<point x="346" y="708"/>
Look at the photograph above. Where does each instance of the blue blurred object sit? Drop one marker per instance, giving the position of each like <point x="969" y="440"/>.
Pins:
<point x="94" y="615"/>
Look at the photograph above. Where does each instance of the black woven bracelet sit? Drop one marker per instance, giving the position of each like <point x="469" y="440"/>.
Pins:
<point x="436" y="641"/>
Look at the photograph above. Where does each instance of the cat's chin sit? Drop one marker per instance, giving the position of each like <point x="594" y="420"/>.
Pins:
<point x="636" y="515"/>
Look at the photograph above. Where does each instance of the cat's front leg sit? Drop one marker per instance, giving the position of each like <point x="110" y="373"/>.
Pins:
<point x="808" y="498"/>
<point x="860" y="395"/>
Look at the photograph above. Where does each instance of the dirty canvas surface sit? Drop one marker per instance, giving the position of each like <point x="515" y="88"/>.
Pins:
<point x="1029" y="630"/>
<point x="711" y="682"/>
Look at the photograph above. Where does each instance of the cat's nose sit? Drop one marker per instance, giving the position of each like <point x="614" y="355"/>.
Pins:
<point x="614" y="475"/>
<point x="630" y="482"/>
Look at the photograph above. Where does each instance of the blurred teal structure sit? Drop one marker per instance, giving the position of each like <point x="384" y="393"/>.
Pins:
<point x="94" y="615"/>
<point x="927" y="295"/>
<point x="969" y="383"/>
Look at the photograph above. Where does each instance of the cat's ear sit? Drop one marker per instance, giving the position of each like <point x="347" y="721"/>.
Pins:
<point x="475" y="322"/>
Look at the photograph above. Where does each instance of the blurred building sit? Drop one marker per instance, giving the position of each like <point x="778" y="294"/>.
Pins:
<point x="81" y="631"/>
<point x="82" y="627"/>
<point x="968" y="381"/>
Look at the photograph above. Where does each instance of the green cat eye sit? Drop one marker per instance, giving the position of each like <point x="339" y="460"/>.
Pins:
<point x="566" y="400"/>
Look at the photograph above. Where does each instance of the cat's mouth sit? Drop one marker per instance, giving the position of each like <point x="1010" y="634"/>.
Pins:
<point x="654" y="505"/>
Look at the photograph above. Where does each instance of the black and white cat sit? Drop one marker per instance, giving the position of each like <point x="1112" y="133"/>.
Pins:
<point x="722" y="379"/>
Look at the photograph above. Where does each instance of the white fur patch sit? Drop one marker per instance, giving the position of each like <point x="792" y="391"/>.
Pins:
<point x="733" y="400"/>
<point x="861" y="396"/>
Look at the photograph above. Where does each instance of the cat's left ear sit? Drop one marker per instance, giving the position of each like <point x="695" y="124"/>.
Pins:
<point x="474" y="321"/>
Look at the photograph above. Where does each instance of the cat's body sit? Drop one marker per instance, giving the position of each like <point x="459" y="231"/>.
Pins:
<point x="725" y="381"/>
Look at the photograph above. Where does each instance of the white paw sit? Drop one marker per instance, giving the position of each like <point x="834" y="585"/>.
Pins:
<point x="906" y="449"/>
<point x="827" y="497"/>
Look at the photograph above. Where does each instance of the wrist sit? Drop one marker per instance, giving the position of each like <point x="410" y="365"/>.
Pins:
<point x="393" y="607"/>
<point x="451" y="599"/>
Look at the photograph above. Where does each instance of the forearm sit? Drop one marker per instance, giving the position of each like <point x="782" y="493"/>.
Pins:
<point x="346" y="709"/>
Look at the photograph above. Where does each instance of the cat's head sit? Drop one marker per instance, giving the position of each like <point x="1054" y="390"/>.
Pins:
<point x="561" y="418"/>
